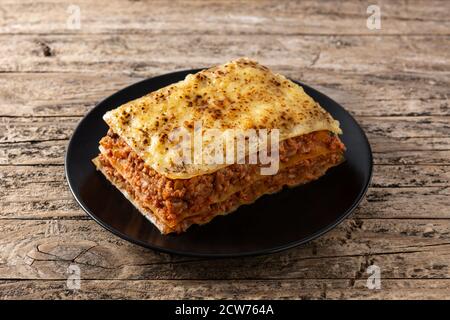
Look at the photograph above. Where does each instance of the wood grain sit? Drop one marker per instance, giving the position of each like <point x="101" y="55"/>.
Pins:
<point x="23" y="178"/>
<point x="73" y="94"/>
<point x="394" y="81"/>
<point x="140" y="54"/>
<point x="33" y="129"/>
<point x="52" y="201"/>
<point x="435" y="151"/>
<point x="225" y="17"/>
<point x="401" y="248"/>
<point x="416" y="289"/>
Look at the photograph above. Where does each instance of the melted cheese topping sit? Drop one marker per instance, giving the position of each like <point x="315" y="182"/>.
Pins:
<point x="241" y="94"/>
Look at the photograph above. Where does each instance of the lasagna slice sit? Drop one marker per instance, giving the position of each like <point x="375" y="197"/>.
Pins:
<point x="169" y="180"/>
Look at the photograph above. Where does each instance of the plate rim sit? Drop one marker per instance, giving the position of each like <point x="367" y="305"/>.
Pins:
<point x="273" y="250"/>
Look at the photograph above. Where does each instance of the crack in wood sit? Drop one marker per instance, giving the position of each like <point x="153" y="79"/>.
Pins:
<point x="401" y="100"/>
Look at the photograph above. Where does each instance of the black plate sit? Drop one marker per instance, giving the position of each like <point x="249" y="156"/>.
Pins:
<point x="273" y="223"/>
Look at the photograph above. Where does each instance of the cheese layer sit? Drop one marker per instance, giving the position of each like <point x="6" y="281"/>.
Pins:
<point x="231" y="98"/>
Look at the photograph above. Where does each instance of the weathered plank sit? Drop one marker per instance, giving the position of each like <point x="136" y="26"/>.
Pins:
<point x="405" y="203"/>
<point x="43" y="140"/>
<point x="54" y="201"/>
<point x="399" y="127"/>
<point x="386" y="94"/>
<point x="14" y="130"/>
<point x="33" y="153"/>
<point x="423" y="157"/>
<point x="17" y="180"/>
<point x="225" y="17"/>
<point x="29" y="192"/>
<point x="410" y="176"/>
<point x="33" y="129"/>
<point x="401" y="248"/>
<point x="53" y="152"/>
<point x="394" y="80"/>
<point x="419" y="289"/>
<point x="383" y="144"/>
<point x="141" y="54"/>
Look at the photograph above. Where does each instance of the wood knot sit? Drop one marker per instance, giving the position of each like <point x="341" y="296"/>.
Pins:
<point x="45" y="48"/>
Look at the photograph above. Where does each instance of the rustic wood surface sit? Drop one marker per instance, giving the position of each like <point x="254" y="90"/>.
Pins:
<point x="395" y="81"/>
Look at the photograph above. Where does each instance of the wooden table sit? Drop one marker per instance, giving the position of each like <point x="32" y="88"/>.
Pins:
<point x="394" y="80"/>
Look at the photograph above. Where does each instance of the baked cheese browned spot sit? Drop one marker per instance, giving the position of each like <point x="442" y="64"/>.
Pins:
<point x="241" y="94"/>
<point x="138" y="155"/>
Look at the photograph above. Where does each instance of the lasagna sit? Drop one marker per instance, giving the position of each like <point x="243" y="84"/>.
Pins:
<point x="159" y="148"/>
